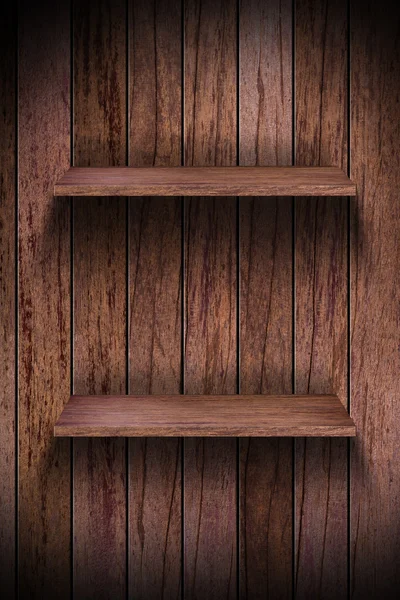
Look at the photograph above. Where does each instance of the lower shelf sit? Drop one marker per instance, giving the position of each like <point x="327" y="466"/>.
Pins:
<point x="208" y="416"/>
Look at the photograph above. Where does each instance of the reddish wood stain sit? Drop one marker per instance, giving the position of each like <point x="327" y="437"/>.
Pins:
<point x="43" y="306"/>
<point x="210" y="303"/>
<point x="99" y="297"/>
<point x="149" y="88"/>
<point x="321" y="297"/>
<point x="375" y="284"/>
<point x="8" y="368"/>
<point x="155" y="283"/>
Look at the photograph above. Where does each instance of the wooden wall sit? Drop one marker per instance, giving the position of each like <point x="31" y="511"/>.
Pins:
<point x="199" y="295"/>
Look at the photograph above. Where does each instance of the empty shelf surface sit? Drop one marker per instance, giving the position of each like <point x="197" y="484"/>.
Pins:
<point x="205" y="181"/>
<point x="169" y="416"/>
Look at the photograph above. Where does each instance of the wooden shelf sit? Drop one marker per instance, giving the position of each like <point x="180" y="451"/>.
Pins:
<point x="205" y="181"/>
<point x="223" y="416"/>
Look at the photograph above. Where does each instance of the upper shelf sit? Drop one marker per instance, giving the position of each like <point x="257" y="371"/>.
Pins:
<point x="205" y="181"/>
<point x="238" y="416"/>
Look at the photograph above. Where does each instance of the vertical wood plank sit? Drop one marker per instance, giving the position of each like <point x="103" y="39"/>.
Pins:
<point x="44" y="304"/>
<point x="375" y="284"/>
<point x="210" y="465"/>
<point x="99" y="517"/>
<point x="321" y="296"/>
<point x="265" y="296"/>
<point x="210" y="297"/>
<point x="265" y="83"/>
<point x="155" y="75"/>
<point x="155" y="297"/>
<point x="210" y="83"/>
<point x="8" y="425"/>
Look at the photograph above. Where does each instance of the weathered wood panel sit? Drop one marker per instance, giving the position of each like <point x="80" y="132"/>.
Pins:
<point x="155" y="464"/>
<point x="154" y="229"/>
<point x="8" y="368"/>
<point x="44" y="304"/>
<point x="321" y="296"/>
<point x="375" y="312"/>
<point x="210" y="297"/>
<point x="265" y="296"/>
<point x="265" y="59"/>
<point x="155" y="297"/>
<point x="210" y="337"/>
<point x="99" y="517"/>
<point x="210" y="83"/>
<point x="155" y="76"/>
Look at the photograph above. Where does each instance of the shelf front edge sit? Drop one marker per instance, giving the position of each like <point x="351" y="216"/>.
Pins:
<point x="126" y="191"/>
<point x="343" y="431"/>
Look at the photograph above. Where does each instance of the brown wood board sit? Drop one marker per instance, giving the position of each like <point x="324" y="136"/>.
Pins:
<point x="375" y="285"/>
<point x="155" y="329"/>
<point x="321" y="274"/>
<point x="205" y="181"/>
<point x="155" y="296"/>
<point x="345" y="525"/>
<point x="210" y="334"/>
<point x="210" y="535"/>
<point x="265" y="251"/>
<point x="8" y="367"/>
<point x="196" y="415"/>
<point x="99" y="512"/>
<point x="44" y="507"/>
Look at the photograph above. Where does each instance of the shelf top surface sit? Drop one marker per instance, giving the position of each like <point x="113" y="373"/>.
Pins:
<point x="214" y="416"/>
<point x="205" y="181"/>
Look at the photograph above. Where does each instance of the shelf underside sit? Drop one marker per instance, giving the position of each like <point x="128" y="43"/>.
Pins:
<point x="223" y="416"/>
<point x="205" y="181"/>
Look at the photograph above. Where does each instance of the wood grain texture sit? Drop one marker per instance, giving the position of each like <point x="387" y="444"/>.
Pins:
<point x="99" y="517"/>
<point x="210" y="357"/>
<point x="155" y="282"/>
<point x="265" y="367"/>
<point x="375" y="284"/>
<point x="155" y="82"/>
<point x="8" y="367"/>
<point x="155" y="518"/>
<point x="44" y="274"/>
<point x="214" y="181"/>
<point x="321" y="297"/>
<point x="265" y="30"/>
<point x="265" y="139"/>
<point x="210" y="83"/>
<point x="210" y="297"/>
<point x="44" y="303"/>
<point x="155" y="329"/>
<point x="210" y="415"/>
